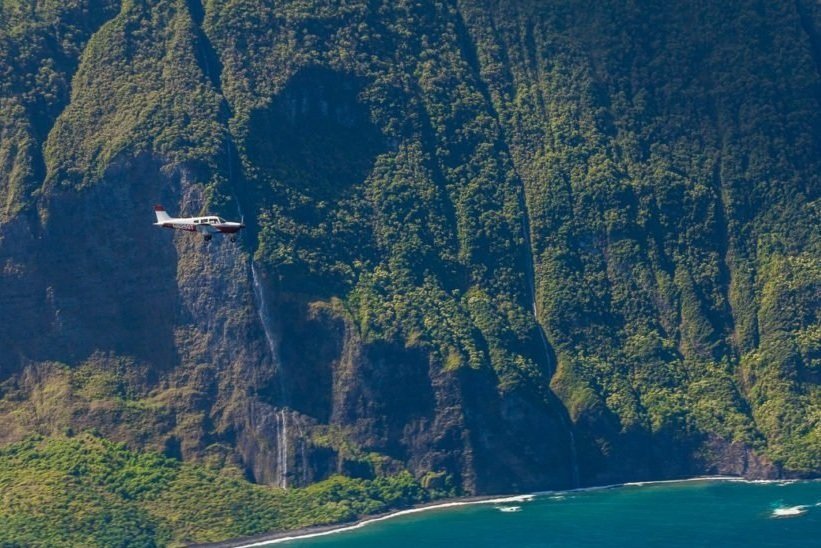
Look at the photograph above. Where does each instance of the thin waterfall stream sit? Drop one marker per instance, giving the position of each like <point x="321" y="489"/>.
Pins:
<point x="262" y="312"/>
<point x="531" y="280"/>
<point x="213" y="71"/>
<point x="261" y="305"/>
<point x="282" y="447"/>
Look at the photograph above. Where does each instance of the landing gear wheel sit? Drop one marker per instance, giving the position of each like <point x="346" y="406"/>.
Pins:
<point x="207" y="237"/>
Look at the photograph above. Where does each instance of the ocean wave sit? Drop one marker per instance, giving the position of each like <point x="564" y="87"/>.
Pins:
<point x="776" y="482"/>
<point x="509" y="508"/>
<point x="650" y="483"/>
<point x="790" y="511"/>
<point x="503" y="500"/>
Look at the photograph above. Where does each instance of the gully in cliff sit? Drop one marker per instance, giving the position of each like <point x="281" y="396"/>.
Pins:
<point x="207" y="226"/>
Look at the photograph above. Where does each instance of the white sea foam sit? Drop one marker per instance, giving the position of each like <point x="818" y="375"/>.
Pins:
<point x="503" y="500"/>
<point x="661" y="482"/>
<point x="509" y="508"/>
<point x="790" y="511"/>
<point x="778" y="482"/>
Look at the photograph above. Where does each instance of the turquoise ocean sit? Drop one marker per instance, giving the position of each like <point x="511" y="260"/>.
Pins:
<point x="689" y="513"/>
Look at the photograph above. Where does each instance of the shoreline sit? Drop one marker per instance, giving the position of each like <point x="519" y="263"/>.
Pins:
<point x="267" y="539"/>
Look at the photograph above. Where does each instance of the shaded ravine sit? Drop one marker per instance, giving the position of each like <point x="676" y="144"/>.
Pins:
<point x="44" y="117"/>
<point x="812" y="35"/>
<point x="472" y="58"/>
<point x="548" y="349"/>
<point x="206" y="54"/>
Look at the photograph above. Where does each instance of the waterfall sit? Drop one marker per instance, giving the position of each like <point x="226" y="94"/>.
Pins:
<point x="302" y="464"/>
<point x="261" y="305"/>
<point x="262" y="312"/>
<point x="282" y="414"/>
<point x="282" y="447"/>
<point x="259" y="293"/>
<point x="531" y="280"/>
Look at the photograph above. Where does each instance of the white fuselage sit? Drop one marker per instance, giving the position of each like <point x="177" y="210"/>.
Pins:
<point x="208" y="225"/>
<point x="204" y="225"/>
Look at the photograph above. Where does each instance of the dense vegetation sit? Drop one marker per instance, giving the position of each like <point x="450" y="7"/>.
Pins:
<point x="87" y="491"/>
<point x="40" y="47"/>
<point x="672" y="175"/>
<point x="609" y="208"/>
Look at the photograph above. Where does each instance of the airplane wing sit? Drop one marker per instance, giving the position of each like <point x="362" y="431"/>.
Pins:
<point x="206" y="229"/>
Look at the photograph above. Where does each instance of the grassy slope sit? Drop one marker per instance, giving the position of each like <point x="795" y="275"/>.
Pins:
<point x="87" y="491"/>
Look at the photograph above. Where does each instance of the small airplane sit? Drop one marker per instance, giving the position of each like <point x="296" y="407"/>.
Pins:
<point x="208" y="226"/>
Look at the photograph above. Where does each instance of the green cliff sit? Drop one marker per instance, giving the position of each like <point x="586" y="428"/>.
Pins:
<point x="498" y="246"/>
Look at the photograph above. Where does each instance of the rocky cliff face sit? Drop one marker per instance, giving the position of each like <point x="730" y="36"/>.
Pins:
<point x="506" y="247"/>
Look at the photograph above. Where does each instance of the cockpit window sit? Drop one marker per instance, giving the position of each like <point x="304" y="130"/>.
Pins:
<point x="221" y="220"/>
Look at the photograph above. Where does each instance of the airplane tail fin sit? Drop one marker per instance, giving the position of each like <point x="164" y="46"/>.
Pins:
<point x="161" y="214"/>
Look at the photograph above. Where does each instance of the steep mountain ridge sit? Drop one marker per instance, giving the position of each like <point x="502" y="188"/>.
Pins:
<point x="505" y="246"/>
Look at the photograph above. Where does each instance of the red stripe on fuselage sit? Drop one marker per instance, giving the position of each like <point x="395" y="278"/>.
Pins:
<point x="180" y="227"/>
